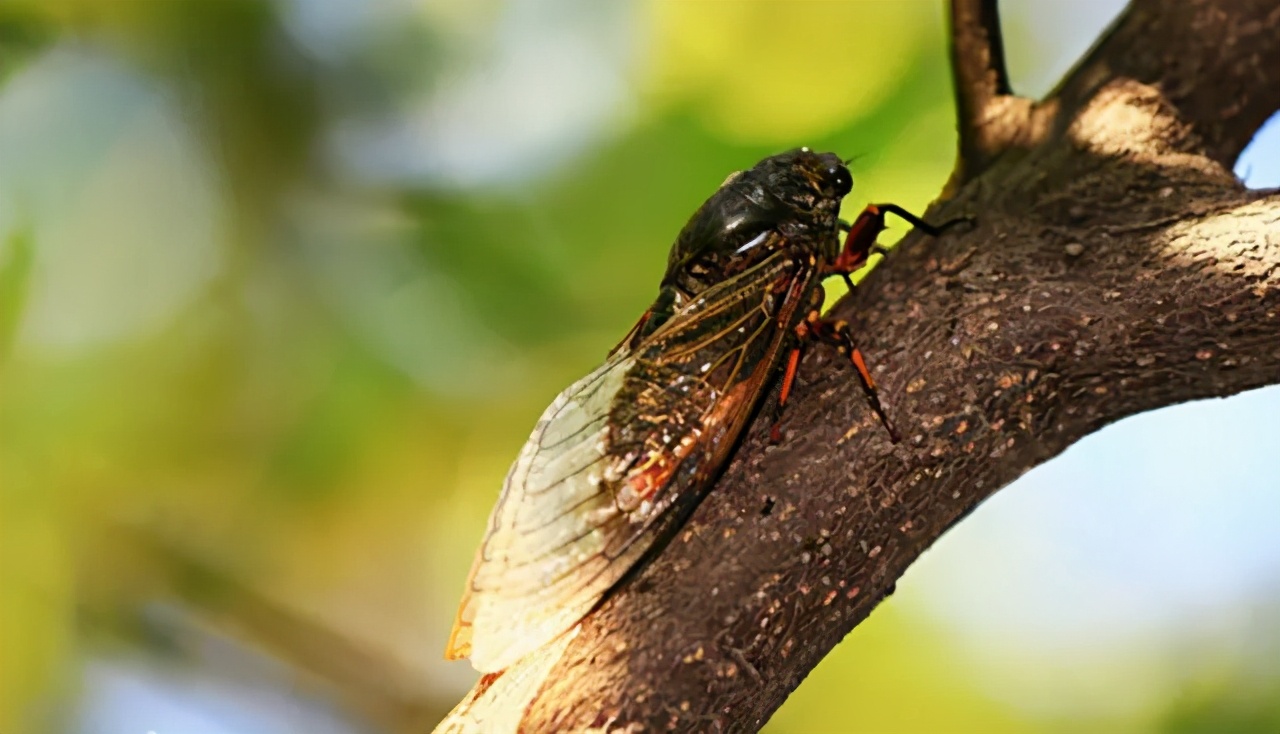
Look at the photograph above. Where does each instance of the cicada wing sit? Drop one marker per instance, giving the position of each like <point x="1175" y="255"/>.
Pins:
<point x="542" y="564"/>
<point x="586" y="498"/>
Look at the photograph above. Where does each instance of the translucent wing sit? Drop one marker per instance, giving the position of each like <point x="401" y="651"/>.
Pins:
<point x="551" y="516"/>
<point x="589" y="493"/>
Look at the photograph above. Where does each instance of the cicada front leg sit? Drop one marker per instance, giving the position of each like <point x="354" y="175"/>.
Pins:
<point x="860" y="242"/>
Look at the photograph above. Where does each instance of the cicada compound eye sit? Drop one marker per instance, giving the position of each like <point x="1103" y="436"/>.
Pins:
<point x="841" y="180"/>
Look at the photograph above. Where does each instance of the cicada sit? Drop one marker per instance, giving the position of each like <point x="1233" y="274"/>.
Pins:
<point x="619" y="459"/>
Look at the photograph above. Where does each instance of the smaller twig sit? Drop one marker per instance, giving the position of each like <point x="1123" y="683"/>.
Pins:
<point x="980" y="79"/>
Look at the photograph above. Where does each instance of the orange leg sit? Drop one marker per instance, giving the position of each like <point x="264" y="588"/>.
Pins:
<point x="862" y="233"/>
<point x="858" y="246"/>
<point x="859" y="241"/>
<point x="861" y="366"/>
<point x="788" y="377"/>
<point x="793" y="363"/>
<point x="838" y="334"/>
<point x="803" y="336"/>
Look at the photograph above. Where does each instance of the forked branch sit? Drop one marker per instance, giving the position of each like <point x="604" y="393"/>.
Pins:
<point x="984" y="97"/>
<point x="1117" y="266"/>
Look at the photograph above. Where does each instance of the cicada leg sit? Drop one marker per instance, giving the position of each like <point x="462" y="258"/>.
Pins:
<point x="839" y="335"/>
<point x="783" y="391"/>
<point x="860" y="242"/>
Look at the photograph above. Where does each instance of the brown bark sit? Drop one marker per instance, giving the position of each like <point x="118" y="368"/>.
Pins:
<point x="984" y="99"/>
<point x="1117" y="266"/>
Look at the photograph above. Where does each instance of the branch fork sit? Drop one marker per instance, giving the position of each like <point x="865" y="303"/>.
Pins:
<point x="1117" y="267"/>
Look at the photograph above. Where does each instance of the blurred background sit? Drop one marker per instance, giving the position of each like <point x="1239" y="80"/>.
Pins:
<point x="284" y="285"/>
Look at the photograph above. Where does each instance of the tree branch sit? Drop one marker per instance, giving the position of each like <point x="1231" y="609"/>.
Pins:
<point x="1216" y="62"/>
<point x="983" y="95"/>
<point x="1118" y="266"/>
<point x="977" y="53"/>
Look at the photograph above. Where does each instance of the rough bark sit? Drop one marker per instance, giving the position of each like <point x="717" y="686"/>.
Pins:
<point x="1117" y="266"/>
<point x="987" y="112"/>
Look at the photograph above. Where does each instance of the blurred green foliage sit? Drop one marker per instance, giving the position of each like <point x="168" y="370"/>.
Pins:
<point x="222" y="336"/>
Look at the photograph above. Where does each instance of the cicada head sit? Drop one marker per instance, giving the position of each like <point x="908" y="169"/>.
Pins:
<point x="809" y="185"/>
<point x="788" y="200"/>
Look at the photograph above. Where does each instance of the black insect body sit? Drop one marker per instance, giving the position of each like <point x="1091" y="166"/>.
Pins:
<point x="621" y="450"/>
